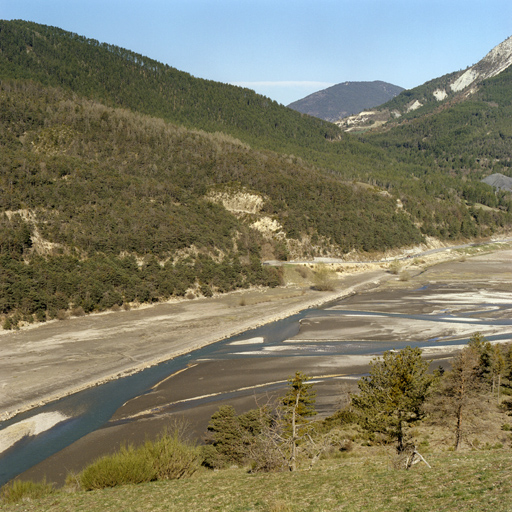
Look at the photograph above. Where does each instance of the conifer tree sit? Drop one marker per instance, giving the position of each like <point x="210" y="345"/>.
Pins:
<point x="391" y="398"/>
<point x="300" y="396"/>
<point x="457" y="403"/>
<point x="298" y="404"/>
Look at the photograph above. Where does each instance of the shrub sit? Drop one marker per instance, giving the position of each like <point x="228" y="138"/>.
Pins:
<point x="167" y="458"/>
<point x="128" y="466"/>
<point x="404" y="275"/>
<point x="62" y="315"/>
<point x="394" y="267"/>
<point x="173" y="458"/>
<point x="206" y="290"/>
<point x="233" y="439"/>
<point x="7" y="325"/>
<point x="41" y="315"/>
<point x="324" y="279"/>
<point x="342" y="417"/>
<point x="18" y="490"/>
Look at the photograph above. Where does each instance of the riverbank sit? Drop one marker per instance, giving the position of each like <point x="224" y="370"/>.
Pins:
<point x="46" y="363"/>
<point x="250" y="370"/>
<point x="54" y="360"/>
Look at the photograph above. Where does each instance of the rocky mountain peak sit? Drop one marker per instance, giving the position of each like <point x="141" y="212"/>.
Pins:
<point x="496" y="61"/>
<point x="462" y="84"/>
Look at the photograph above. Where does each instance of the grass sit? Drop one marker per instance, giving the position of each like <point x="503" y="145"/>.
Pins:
<point x="19" y="490"/>
<point x="469" y="481"/>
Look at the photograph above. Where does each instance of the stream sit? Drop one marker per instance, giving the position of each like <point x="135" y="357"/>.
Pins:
<point x="89" y="410"/>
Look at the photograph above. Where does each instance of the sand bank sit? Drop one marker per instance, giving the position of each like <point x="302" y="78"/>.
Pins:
<point x="42" y="365"/>
<point x="31" y="427"/>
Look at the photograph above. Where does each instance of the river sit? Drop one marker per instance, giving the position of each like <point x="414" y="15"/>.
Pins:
<point x="438" y="316"/>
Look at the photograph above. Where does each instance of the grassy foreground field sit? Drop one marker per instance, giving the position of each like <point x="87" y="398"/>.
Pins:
<point x="469" y="481"/>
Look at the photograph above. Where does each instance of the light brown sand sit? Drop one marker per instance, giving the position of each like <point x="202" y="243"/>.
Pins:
<point x="59" y="358"/>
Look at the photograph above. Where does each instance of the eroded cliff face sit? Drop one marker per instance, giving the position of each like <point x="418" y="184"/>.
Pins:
<point x="238" y="201"/>
<point x="496" y="61"/>
<point x="461" y="84"/>
<point x="248" y="206"/>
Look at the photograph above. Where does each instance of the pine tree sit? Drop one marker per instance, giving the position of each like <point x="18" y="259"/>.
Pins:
<point x="391" y="398"/>
<point x="457" y="403"/>
<point x="300" y="397"/>
<point x="298" y="404"/>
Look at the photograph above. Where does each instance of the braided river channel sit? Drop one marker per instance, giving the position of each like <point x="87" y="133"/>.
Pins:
<point x="334" y="344"/>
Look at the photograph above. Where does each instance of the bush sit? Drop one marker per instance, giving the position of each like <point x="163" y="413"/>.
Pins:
<point x="342" y="417"/>
<point x="18" y="490"/>
<point x="128" y="466"/>
<point x="394" y="267"/>
<point x="167" y="458"/>
<point x="404" y="275"/>
<point x="233" y="439"/>
<point x="7" y="325"/>
<point x="173" y="458"/>
<point x="62" y="315"/>
<point x="324" y="279"/>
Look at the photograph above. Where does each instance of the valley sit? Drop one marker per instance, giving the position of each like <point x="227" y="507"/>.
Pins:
<point x="170" y="245"/>
<point x="436" y="308"/>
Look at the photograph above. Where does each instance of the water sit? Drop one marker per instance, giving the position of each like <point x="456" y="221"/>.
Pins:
<point x="90" y="409"/>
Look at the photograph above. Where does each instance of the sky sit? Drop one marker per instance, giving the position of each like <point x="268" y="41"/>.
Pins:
<point x="287" y="49"/>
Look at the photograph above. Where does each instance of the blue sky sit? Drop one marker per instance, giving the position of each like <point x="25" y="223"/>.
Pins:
<point x="287" y="49"/>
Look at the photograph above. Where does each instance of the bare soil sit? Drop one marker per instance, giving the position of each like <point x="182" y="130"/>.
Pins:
<point x="58" y="358"/>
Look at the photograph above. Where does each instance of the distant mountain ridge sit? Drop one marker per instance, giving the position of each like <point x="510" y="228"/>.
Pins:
<point x="430" y="96"/>
<point x="345" y="99"/>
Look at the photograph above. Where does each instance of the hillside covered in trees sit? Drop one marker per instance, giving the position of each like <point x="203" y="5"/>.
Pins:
<point x="126" y="180"/>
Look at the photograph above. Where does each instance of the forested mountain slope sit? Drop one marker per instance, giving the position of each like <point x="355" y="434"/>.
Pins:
<point x="126" y="180"/>
<point x="103" y="206"/>
<point x="118" y="77"/>
<point x="468" y="139"/>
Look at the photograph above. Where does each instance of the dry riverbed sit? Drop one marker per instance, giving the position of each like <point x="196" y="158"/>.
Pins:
<point x="50" y="361"/>
<point x="41" y="364"/>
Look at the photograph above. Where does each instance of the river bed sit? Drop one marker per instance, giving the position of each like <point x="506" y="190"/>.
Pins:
<point x="437" y="309"/>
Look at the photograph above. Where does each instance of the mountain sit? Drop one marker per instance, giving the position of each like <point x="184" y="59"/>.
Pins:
<point x="118" y="77"/>
<point x="125" y="180"/>
<point x="342" y="100"/>
<point x="499" y="181"/>
<point x="435" y="94"/>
